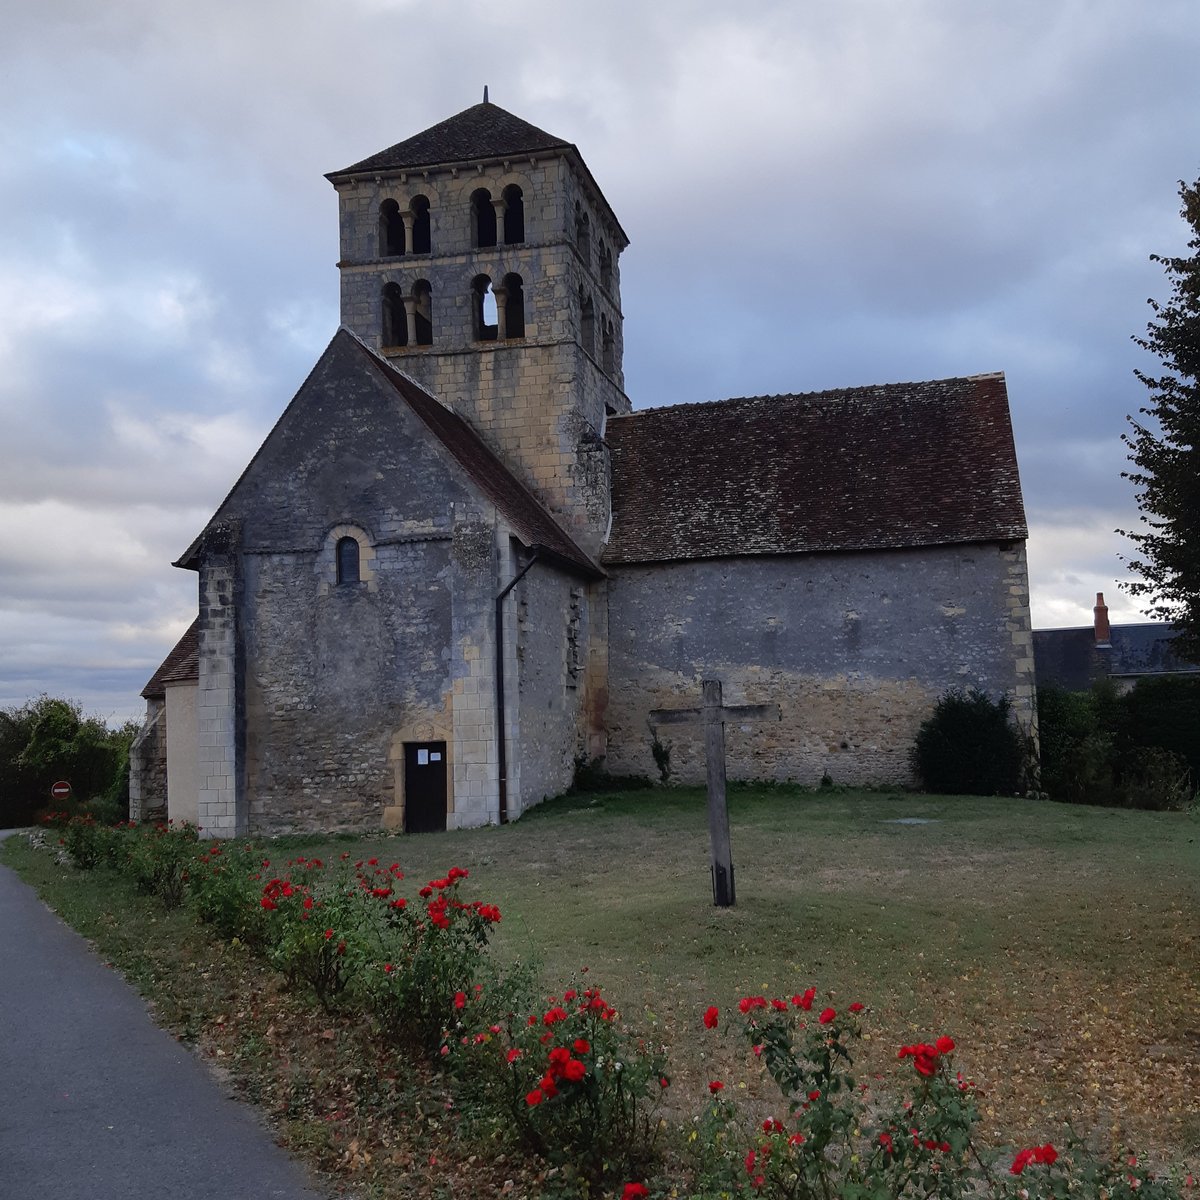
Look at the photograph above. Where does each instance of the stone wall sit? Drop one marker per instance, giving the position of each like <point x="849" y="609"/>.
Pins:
<point x="553" y="634"/>
<point x="854" y="648"/>
<point x="148" y="765"/>
<point x="539" y="400"/>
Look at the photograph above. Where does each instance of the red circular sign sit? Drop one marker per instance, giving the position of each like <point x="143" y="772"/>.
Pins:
<point x="61" y="790"/>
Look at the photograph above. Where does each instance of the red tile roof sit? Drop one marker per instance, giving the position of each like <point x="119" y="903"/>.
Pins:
<point x="182" y="665"/>
<point x="871" y="468"/>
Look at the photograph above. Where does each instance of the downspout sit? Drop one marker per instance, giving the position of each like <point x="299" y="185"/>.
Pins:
<point x="501" y="744"/>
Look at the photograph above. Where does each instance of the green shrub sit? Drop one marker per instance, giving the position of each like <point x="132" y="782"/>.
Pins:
<point x="423" y="956"/>
<point x="1164" y="713"/>
<point x="1128" y="750"/>
<point x="224" y="888"/>
<point x="160" y="857"/>
<point x="565" y="1080"/>
<point x="969" y="746"/>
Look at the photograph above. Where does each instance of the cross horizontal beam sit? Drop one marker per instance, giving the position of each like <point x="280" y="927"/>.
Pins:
<point x="683" y="716"/>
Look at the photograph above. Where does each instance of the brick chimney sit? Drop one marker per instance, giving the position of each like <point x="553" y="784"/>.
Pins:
<point x="1100" y="621"/>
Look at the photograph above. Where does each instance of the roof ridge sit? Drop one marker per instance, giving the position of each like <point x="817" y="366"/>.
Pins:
<point x="824" y="393"/>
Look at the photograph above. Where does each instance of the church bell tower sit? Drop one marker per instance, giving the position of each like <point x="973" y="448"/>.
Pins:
<point x="481" y="258"/>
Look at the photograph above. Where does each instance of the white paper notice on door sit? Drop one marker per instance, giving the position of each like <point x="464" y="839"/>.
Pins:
<point x="422" y="758"/>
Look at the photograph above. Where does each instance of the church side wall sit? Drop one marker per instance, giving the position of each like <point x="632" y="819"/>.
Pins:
<point x="855" y="648"/>
<point x="553" y="623"/>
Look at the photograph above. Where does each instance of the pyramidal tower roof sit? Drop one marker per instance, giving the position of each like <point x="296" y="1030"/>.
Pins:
<point x="482" y="131"/>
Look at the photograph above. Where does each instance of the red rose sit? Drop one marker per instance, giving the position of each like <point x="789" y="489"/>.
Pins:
<point x="460" y="999"/>
<point x="806" y="1001"/>
<point x="711" y="1016"/>
<point x="534" y="1098"/>
<point x="635" y="1191"/>
<point x="715" y="1086"/>
<point x="944" y="1045"/>
<point x="581" y="1046"/>
<point x="827" y="1016"/>
<point x="574" y="1070"/>
<point x="856" y="1007"/>
<point x="513" y="1055"/>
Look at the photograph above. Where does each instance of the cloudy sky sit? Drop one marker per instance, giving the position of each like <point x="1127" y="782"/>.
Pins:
<point x="819" y="194"/>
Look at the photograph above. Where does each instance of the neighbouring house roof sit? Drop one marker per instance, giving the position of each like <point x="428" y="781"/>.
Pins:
<point x="182" y="665"/>
<point x="525" y="514"/>
<point x="481" y="131"/>
<point x="1072" y="658"/>
<point x="870" y="468"/>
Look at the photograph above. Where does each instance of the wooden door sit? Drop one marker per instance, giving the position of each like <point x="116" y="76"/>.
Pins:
<point x="424" y="787"/>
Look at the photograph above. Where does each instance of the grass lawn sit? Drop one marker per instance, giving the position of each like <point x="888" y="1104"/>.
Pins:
<point x="1057" y="944"/>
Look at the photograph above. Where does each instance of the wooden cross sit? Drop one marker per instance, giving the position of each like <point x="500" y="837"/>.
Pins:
<point x="713" y="714"/>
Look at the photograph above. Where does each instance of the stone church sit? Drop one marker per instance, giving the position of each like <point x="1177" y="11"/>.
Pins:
<point x="461" y="560"/>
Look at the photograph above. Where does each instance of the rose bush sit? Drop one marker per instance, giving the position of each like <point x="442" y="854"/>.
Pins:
<point x="567" y="1080"/>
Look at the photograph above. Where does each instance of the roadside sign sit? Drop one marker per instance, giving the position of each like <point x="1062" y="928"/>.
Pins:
<point x="61" y="790"/>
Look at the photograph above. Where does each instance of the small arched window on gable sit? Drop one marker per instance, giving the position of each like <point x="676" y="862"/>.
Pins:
<point x="395" y="319"/>
<point x="484" y="319"/>
<point x="605" y="266"/>
<point x="422" y="295"/>
<point x="514" y="307"/>
<point x="391" y="230"/>
<point x="348" y="560"/>
<point x="583" y="234"/>
<point x="422" y="242"/>
<point x="608" y="345"/>
<point x="483" y="218"/>
<point x="587" y="322"/>
<point x="514" y="215"/>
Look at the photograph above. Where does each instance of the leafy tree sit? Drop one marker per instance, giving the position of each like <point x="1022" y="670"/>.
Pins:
<point x="1168" y="461"/>
<point x="48" y="739"/>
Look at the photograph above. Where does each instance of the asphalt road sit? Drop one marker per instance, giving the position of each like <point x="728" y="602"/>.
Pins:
<point x="97" y="1102"/>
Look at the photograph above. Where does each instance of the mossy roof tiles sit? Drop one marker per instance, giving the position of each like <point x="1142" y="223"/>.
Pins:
<point x="871" y="468"/>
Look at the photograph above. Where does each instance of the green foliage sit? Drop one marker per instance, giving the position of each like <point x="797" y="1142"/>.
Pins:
<point x="48" y="739"/>
<point x="159" y="859"/>
<point x="661" y="751"/>
<point x="424" y="955"/>
<point x="833" y="1136"/>
<point x="1164" y="713"/>
<point x="565" y="1079"/>
<point x="224" y="889"/>
<point x="1165" y="448"/>
<point x="969" y="746"/>
<point x="1128" y="751"/>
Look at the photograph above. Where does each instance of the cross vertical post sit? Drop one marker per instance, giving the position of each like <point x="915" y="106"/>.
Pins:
<point x="724" y="892"/>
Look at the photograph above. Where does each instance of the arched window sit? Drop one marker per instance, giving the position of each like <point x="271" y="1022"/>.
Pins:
<point x="608" y="348"/>
<point x="395" y="319"/>
<point x="514" y="306"/>
<point x="347" y="560"/>
<point x="391" y="229"/>
<point x="587" y="322"/>
<point x="421" y="241"/>
<point x="514" y="215"/>
<point x="422" y="295"/>
<point x="483" y="309"/>
<point x="483" y="218"/>
<point x="583" y="233"/>
<point x="605" y="266"/>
